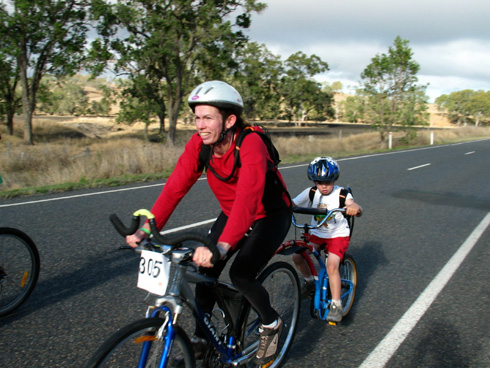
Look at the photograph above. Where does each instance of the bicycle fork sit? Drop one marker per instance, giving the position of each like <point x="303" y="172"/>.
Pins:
<point x="165" y="333"/>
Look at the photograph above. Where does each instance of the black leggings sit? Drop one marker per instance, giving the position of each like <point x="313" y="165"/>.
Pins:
<point x="253" y="253"/>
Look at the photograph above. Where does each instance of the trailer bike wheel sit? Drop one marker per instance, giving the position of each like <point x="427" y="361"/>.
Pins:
<point x="348" y="275"/>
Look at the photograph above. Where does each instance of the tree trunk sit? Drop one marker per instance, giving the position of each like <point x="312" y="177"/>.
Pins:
<point x="27" y="103"/>
<point x="28" y="125"/>
<point x="172" y="125"/>
<point x="147" y="137"/>
<point x="161" y="118"/>
<point x="10" y="123"/>
<point x="173" y="115"/>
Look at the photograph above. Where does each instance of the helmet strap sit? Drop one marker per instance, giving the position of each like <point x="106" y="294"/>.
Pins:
<point x="225" y="131"/>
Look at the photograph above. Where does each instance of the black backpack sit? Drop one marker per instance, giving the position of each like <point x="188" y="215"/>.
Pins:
<point x="274" y="188"/>
<point x="342" y="196"/>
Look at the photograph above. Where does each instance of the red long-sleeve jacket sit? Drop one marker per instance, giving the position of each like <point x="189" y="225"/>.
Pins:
<point x="240" y="198"/>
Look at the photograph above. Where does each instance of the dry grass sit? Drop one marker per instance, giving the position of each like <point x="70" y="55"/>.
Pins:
<point x="64" y="153"/>
<point x="305" y="147"/>
<point x="69" y="162"/>
<point x="86" y="152"/>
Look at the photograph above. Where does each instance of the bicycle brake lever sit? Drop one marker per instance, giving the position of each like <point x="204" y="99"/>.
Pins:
<point x="125" y="247"/>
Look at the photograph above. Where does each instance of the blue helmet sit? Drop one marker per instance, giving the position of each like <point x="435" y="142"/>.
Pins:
<point x="323" y="169"/>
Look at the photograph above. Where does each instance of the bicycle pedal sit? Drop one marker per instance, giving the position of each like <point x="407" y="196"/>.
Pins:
<point x="268" y="364"/>
<point x="332" y="323"/>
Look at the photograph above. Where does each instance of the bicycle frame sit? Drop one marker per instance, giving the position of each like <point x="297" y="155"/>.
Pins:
<point x="233" y="334"/>
<point x="180" y="294"/>
<point x="321" y="300"/>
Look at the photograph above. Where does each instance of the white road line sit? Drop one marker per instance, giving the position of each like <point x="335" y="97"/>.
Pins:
<point x="85" y="195"/>
<point x="282" y="168"/>
<point x="190" y="226"/>
<point x="418" y="167"/>
<point x="469" y="153"/>
<point x="392" y="341"/>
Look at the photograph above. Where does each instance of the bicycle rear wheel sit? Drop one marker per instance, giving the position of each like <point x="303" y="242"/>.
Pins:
<point x="281" y="281"/>
<point x="19" y="268"/>
<point x="124" y="348"/>
<point x="348" y="271"/>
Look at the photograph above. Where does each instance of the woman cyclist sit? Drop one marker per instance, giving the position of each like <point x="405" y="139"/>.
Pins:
<point x="244" y="226"/>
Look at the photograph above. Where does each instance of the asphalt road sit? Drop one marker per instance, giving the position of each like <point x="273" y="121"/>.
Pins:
<point x="421" y="208"/>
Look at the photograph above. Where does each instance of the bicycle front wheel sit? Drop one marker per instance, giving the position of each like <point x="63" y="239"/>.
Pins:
<point x="348" y="272"/>
<point x="19" y="268"/>
<point x="281" y="282"/>
<point x="125" y="347"/>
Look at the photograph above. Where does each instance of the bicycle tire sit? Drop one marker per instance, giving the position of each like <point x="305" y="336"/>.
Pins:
<point x="281" y="281"/>
<point x="19" y="268"/>
<point x="348" y="271"/>
<point x="123" y="349"/>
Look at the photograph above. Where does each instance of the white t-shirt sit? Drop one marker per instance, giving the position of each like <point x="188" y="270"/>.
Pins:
<point x="336" y="226"/>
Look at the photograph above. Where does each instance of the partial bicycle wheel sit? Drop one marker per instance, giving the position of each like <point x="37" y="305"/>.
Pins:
<point x="348" y="271"/>
<point x="125" y="347"/>
<point x="281" y="281"/>
<point x="19" y="268"/>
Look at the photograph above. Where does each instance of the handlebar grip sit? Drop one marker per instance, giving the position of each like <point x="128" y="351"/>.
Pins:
<point x="121" y="228"/>
<point x="174" y="240"/>
<point x="310" y="211"/>
<point x="185" y="237"/>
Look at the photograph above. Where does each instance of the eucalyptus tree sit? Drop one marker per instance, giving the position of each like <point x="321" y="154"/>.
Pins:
<point x="42" y="36"/>
<point x="466" y="106"/>
<point x="298" y="90"/>
<point x="139" y="103"/>
<point x="10" y="99"/>
<point x="257" y="78"/>
<point x="173" y="43"/>
<point x="389" y="84"/>
<point x="352" y="109"/>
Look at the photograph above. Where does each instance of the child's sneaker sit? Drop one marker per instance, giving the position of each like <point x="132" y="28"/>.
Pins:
<point x="335" y="313"/>
<point x="269" y="339"/>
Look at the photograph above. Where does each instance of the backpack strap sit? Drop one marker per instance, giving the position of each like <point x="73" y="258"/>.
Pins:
<point x="205" y="155"/>
<point x="206" y="152"/>
<point x="342" y="197"/>
<point x="311" y="194"/>
<point x="273" y="184"/>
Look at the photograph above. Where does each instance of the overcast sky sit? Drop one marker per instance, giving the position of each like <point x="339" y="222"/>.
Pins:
<point x="449" y="39"/>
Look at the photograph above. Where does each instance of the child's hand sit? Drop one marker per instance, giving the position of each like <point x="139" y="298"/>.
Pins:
<point x="353" y="209"/>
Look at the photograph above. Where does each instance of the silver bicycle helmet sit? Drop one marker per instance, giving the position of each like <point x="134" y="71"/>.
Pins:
<point x="218" y="94"/>
<point x="323" y="169"/>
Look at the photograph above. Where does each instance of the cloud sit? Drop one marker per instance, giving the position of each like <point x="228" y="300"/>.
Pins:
<point x="450" y="40"/>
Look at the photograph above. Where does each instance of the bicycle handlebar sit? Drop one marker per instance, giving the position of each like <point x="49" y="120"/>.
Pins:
<point x="172" y="241"/>
<point x="314" y="211"/>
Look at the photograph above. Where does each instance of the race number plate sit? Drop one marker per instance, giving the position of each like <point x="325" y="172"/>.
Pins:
<point x="153" y="273"/>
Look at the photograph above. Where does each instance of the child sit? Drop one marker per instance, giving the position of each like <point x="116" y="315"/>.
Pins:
<point x="324" y="172"/>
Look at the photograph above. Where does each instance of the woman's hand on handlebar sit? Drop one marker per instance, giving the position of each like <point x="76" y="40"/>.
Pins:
<point x="137" y="237"/>
<point x="202" y="255"/>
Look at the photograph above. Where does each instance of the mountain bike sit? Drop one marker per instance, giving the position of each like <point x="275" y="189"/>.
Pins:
<point x="19" y="268"/>
<point x="167" y="271"/>
<point x="321" y="300"/>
